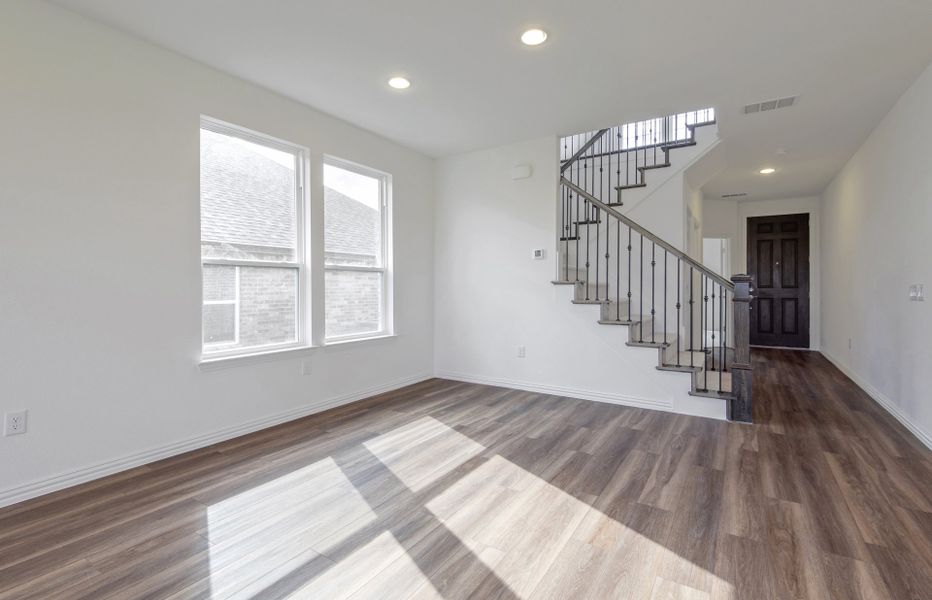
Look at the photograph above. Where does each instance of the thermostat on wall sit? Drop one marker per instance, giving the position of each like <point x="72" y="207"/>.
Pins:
<point x="537" y="254"/>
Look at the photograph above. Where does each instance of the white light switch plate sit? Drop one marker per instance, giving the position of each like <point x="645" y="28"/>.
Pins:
<point x="916" y="292"/>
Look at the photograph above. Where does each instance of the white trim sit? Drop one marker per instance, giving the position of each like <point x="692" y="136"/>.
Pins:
<point x="386" y="318"/>
<point x="554" y="390"/>
<point x="784" y="348"/>
<point x="880" y="398"/>
<point x="302" y="316"/>
<point x="40" y="487"/>
<point x="218" y="360"/>
<point x="354" y="268"/>
<point x="361" y="337"/>
<point x="235" y="262"/>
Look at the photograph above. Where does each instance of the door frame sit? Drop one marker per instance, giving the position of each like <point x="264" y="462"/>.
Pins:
<point x="787" y="206"/>
<point x="804" y="332"/>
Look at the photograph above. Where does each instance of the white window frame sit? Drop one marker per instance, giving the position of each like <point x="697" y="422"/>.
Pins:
<point x="234" y="302"/>
<point x="302" y="247"/>
<point x="385" y="201"/>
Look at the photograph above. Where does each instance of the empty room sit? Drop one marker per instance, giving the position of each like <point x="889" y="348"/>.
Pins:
<point x="478" y="300"/>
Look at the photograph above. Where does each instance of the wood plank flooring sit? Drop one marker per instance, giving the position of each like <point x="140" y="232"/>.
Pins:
<point x="453" y="490"/>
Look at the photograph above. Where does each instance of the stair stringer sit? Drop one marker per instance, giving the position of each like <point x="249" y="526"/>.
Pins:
<point x="641" y="381"/>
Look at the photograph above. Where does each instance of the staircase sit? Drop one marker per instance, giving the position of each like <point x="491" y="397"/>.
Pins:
<point x="695" y="319"/>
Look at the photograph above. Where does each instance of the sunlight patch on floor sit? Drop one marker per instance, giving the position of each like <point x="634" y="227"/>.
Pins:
<point x="379" y="569"/>
<point x="536" y="524"/>
<point x="423" y="451"/>
<point x="256" y="531"/>
<point x="314" y="534"/>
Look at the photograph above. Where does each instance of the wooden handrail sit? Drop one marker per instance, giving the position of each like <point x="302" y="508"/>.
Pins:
<point x="653" y="237"/>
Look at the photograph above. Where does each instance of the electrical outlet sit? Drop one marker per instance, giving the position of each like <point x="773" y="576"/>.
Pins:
<point x="521" y="351"/>
<point x="14" y="423"/>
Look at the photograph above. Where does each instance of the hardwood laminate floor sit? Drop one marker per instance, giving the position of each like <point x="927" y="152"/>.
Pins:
<point x="454" y="490"/>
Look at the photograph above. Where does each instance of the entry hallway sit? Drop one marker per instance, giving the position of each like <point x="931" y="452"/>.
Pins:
<point x="453" y="490"/>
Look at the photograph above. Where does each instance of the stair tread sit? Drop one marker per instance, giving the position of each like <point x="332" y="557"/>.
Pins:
<point x="628" y="187"/>
<point x="657" y="166"/>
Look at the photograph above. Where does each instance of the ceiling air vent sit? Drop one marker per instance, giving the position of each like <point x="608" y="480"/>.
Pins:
<point x="770" y="105"/>
<point x="738" y="195"/>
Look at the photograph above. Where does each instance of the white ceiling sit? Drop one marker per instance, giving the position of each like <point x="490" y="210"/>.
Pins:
<point x="605" y="62"/>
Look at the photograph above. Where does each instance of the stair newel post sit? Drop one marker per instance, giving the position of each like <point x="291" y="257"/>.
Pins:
<point x="740" y="407"/>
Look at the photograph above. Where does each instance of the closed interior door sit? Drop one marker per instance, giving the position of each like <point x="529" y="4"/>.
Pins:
<point x="778" y="258"/>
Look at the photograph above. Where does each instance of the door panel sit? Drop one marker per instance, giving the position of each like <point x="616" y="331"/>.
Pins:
<point x="765" y="263"/>
<point x="778" y="258"/>
<point x="790" y="271"/>
<point x="765" y="315"/>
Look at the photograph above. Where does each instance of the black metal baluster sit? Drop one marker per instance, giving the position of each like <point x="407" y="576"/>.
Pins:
<point x="598" y="225"/>
<point x="721" y="339"/>
<point x="692" y="318"/>
<point x="653" y="141"/>
<point x="705" y="316"/>
<point x="565" y="229"/>
<point x="629" y="274"/>
<point x="664" y="296"/>
<point x="711" y="323"/>
<point x="578" y="235"/>
<point x="618" y="164"/>
<point x="679" y="333"/>
<point x="618" y="270"/>
<point x="653" y="288"/>
<point x="588" y="240"/>
<point x="641" y="292"/>
<point x="725" y="329"/>
<point x="608" y="230"/>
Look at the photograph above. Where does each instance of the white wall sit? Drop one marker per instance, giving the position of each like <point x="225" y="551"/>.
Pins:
<point x="877" y="240"/>
<point x="729" y="219"/>
<point x="491" y="296"/>
<point x="99" y="239"/>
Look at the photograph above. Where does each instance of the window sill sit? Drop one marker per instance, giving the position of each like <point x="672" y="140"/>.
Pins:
<point x="225" y="362"/>
<point x="353" y="340"/>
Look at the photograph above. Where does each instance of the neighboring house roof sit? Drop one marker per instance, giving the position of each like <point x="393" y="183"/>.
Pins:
<point x="351" y="226"/>
<point x="248" y="199"/>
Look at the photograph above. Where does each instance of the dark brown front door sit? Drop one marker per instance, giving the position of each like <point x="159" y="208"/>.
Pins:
<point x="778" y="258"/>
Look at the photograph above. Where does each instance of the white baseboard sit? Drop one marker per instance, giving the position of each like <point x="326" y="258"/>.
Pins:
<point x="881" y="399"/>
<point x="58" y="482"/>
<point x="555" y="390"/>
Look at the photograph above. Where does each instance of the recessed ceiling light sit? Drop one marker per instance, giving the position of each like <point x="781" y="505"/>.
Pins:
<point x="534" y="37"/>
<point x="399" y="83"/>
<point x="767" y="171"/>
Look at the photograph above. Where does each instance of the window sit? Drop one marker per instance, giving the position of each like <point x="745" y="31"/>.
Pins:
<point x="355" y="251"/>
<point x="252" y="242"/>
